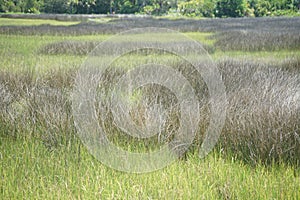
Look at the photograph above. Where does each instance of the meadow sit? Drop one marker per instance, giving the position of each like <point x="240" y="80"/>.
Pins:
<point x="256" y="157"/>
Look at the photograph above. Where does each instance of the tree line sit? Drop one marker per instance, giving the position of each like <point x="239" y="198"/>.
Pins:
<point x="192" y="8"/>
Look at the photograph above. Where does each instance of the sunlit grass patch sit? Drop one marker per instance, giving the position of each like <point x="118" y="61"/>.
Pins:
<point x="71" y="172"/>
<point x="260" y="56"/>
<point x="24" y="45"/>
<point x="19" y="53"/>
<point x="202" y="37"/>
<point x="34" y="22"/>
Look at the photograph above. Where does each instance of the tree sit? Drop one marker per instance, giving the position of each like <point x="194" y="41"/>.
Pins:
<point x="203" y="8"/>
<point x="274" y="7"/>
<point x="85" y="6"/>
<point x="20" y="5"/>
<point x="156" y="7"/>
<point x="128" y="6"/>
<point x="191" y="8"/>
<point x="102" y="6"/>
<point x="263" y="8"/>
<point x="11" y="5"/>
<point x="56" y="6"/>
<point x="231" y="8"/>
<point x="4" y="7"/>
<point x="32" y="6"/>
<point x="297" y="4"/>
<point x="209" y="7"/>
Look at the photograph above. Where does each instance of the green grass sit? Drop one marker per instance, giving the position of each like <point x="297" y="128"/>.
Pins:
<point x="29" y="170"/>
<point x="24" y="50"/>
<point x="25" y="45"/>
<point x="33" y="22"/>
<point x="261" y="56"/>
<point x="204" y="38"/>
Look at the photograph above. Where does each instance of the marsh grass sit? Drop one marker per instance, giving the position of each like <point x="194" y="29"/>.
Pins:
<point x="86" y="47"/>
<point x="68" y="47"/>
<point x="263" y="97"/>
<point x="257" y="155"/>
<point x="263" y="113"/>
<point x="36" y="106"/>
<point x="262" y="124"/>
<point x="33" y="22"/>
<point x="269" y="24"/>
<point x="257" y="40"/>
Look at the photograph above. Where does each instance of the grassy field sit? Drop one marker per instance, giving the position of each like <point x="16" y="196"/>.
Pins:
<point x="30" y="171"/>
<point x="258" y="153"/>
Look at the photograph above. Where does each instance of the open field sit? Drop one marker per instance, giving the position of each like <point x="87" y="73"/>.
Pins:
<point x="256" y="157"/>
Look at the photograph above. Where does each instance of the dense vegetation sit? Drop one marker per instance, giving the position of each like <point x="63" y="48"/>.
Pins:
<point x="257" y="156"/>
<point x="256" y="123"/>
<point x="202" y="8"/>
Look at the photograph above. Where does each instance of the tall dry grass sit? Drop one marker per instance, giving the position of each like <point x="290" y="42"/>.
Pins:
<point x="36" y="106"/>
<point x="262" y="123"/>
<point x="264" y="111"/>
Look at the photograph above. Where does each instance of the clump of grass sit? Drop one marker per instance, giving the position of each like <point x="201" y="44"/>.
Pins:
<point x="257" y="40"/>
<point x="263" y="114"/>
<point x="68" y="47"/>
<point x="291" y="65"/>
<point x="36" y="106"/>
<point x="84" y="48"/>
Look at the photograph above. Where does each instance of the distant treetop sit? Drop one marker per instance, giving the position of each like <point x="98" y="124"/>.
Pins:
<point x="191" y="8"/>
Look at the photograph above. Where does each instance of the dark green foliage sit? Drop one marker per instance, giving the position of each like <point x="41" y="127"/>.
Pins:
<point x="56" y="6"/>
<point x="85" y="6"/>
<point x="274" y="7"/>
<point x="12" y="5"/>
<point x="192" y="8"/>
<point x="128" y="6"/>
<point x="32" y="6"/>
<point x="203" y="8"/>
<point x="102" y="6"/>
<point x="231" y="8"/>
